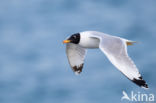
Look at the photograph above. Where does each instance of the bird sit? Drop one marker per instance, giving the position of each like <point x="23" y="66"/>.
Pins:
<point x="114" y="47"/>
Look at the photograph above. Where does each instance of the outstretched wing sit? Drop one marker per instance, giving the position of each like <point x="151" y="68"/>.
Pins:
<point x="116" y="51"/>
<point x="76" y="56"/>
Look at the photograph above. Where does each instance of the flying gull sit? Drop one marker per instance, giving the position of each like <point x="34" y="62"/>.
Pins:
<point x="115" y="49"/>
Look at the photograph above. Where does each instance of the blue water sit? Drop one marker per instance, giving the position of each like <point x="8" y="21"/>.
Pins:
<point x="33" y="63"/>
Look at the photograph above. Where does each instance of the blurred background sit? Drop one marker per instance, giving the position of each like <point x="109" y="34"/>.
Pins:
<point x="33" y="63"/>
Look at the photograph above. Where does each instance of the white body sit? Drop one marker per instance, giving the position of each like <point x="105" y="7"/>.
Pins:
<point x="91" y="41"/>
<point x="87" y="41"/>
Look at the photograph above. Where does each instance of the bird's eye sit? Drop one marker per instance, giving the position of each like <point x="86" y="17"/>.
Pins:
<point x="74" y="37"/>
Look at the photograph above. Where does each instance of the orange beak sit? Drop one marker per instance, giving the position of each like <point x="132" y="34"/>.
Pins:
<point x="66" y="41"/>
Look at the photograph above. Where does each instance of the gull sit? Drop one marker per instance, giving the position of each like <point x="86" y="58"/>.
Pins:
<point x="115" y="49"/>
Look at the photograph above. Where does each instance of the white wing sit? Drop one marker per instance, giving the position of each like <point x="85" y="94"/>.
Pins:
<point x="115" y="49"/>
<point x="76" y="56"/>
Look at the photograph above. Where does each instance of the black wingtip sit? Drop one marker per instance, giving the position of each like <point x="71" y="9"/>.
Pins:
<point x="78" y="69"/>
<point x="140" y="82"/>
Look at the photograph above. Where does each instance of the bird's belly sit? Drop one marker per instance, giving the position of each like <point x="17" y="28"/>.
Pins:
<point x="91" y="43"/>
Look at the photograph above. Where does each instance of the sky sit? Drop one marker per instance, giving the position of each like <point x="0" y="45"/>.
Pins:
<point x="33" y="63"/>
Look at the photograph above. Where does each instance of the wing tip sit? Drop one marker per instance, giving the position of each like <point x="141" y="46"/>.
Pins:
<point x="78" y="69"/>
<point x="140" y="82"/>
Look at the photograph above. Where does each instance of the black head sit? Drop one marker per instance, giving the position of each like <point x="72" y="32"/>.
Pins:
<point x="75" y="38"/>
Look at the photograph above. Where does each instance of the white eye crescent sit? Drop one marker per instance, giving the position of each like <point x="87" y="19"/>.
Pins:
<point x="74" y="37"/>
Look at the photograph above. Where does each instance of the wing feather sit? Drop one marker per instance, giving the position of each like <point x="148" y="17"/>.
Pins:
<point x="116" y="51"/>
<point x="76" y="56"/>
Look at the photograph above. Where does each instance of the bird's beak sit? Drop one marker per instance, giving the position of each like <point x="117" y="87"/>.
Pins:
<point x="66" y="41"/>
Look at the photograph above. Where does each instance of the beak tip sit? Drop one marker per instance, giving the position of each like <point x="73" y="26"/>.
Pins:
<point x="66" y="41"/>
